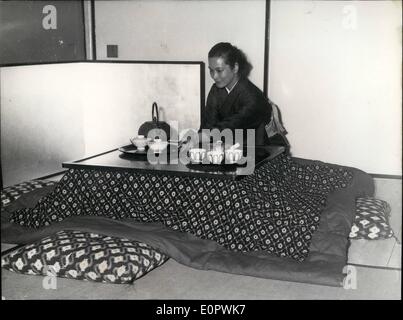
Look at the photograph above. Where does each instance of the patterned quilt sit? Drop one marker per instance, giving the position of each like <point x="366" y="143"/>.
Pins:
<point x="277" y="209"/>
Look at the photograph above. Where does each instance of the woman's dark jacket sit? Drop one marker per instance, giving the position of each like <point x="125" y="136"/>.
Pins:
<point x="245" y="107"/>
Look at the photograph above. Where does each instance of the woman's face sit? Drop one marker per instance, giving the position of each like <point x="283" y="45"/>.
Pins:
<point x="222" y="73"/>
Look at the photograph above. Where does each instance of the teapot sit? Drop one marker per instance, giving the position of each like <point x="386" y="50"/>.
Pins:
<point x="160" y="126"/>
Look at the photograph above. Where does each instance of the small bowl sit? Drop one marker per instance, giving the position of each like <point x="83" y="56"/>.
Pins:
<point x="140" y="142"/>
<point x="233" y="155"/>
<point x="157" y="145"/>
<point x="197" y="154"/>
<point x="215" y="157"/>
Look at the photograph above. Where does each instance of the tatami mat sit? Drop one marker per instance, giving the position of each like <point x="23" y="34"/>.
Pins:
<point x="371" y="252"/>
<point x="175" y="281"/>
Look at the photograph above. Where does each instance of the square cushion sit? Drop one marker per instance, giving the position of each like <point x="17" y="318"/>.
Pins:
<point x="11" y="193"/>
<point x="85" y="256"/>
<point x="371" y="220"/>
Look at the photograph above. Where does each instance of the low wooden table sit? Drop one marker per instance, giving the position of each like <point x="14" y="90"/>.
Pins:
<point x="115" y="160"/>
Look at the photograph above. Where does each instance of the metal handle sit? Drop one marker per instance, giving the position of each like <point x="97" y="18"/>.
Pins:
<point x="155" y="107"/>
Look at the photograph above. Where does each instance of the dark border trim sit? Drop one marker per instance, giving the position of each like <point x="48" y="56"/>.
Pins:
<point x="266" y="50"/>
<point x="93" y="39"/>
<point x="201" y="63"/>
<point x="85" y="40"/>
<point x="202" y="90"/>
<point x="385" y="176"/>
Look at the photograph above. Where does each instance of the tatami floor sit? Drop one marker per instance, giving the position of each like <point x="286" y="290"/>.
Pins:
<point x="377" y="269"/>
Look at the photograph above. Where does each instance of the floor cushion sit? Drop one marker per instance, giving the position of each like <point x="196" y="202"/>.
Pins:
<point x="11" y="193"/>
<point x="85" y="256"/>
<point x="371" y="220"/>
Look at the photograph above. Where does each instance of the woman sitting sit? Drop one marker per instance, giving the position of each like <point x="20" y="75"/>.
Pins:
<point x="234" y="102"/>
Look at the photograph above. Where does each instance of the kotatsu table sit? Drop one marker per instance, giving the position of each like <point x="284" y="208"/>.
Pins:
<point x="258" y="225"/>
<point x="266" y="205"/>
<point x="115" y="160"/>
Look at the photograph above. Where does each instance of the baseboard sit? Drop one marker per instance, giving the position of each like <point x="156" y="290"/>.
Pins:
<point x="385" y="176"/>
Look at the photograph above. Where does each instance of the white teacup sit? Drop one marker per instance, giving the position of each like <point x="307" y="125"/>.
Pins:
<point x="197" y="154"/>
<point x="233" y="155"/>
<point x="215" y="157"/>
<point x="140" y="142"/>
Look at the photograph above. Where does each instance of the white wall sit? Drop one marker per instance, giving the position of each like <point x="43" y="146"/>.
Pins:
<point x="181" y="30"/>
<point x="337" y="80"/>
<point x="61" y="112"/>
<point x="40" y="120"/>
<point x="118" y="98"/>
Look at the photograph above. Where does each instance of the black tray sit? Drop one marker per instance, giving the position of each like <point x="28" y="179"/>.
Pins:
<point x="214" y="167"/>
<point x="131" y="149"/>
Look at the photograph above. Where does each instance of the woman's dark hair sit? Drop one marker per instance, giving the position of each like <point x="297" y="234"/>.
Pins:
<point x="232" y="55"/>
